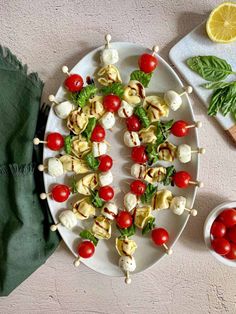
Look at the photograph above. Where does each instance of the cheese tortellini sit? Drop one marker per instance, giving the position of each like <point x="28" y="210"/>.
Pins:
<point x="142" y="214"/>
<point x="161" y="200"/>
<point x="95" y="107"/>
<point x="83" y="209"/>
<point x="125" y="247"/>
<point x="77" y="121"/>
<point x="166" y="151"/>
<point x="102" y="228"/>
<point x="155" y="107"/>
<point x="71" y="163"/>
<point x="108" y="74"/>
<point x="87" y="183"/>
<point x="134" y="93"/>
<point x="148" y="135"/>
<point x="80" y="146"/>
<point x="153" y="175"/>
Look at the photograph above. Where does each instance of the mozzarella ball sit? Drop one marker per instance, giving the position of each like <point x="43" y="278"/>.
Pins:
<point x="55" y="167"/>
<point x="178" y="204"/>
<point x="127" y="263"/>
<point x="109" y="56"/>
<point x="173" y="100"/>
<point x="184" y="153"/>
<point x="105" y="178"/>
<point x="109" y="210"/>
<point x="130" y="201"/>
<point x="99" y="149"/>
<point x="63" y="109"/>
<point x="131" y="139"/>
<point x="126" y="110"/>
<point x="137" y="170"/>
<point x="108" y="120"/>
<point x="68" y="219"/>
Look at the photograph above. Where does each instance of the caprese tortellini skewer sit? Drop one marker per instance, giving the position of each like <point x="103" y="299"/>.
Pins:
<point x="62" y="109"/>
<point x="54" y="141"/>
<point x="181" y="128"/>
<point x="178" y="206"/>
<point x="174" y="100"/>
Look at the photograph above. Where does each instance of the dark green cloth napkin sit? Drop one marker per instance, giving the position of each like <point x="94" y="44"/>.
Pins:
<point x="25" y="238"/>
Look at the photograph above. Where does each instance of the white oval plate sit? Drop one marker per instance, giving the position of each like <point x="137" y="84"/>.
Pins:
<point x="106" y="258"/>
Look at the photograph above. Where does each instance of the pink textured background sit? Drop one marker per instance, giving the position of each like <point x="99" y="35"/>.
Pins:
<point x="48" y="34"/>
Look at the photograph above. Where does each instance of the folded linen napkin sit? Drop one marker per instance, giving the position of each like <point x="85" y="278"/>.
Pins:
<point x="25" y="238"/>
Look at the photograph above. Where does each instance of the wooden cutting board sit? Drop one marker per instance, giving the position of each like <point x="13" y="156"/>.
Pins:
<point x="197" y="43"/>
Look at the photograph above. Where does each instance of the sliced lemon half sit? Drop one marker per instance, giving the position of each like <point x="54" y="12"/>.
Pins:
<point x="221" y="24"/>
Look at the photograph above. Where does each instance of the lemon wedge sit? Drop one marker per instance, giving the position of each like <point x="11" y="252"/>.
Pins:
<point x="221" y="24"/>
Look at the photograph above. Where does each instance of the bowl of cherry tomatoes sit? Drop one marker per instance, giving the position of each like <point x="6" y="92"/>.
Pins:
<point x="220" y="233"/>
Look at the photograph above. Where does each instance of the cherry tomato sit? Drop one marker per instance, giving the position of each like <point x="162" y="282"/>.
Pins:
<point x="111" y="103"/>
<point x="231" y="233"/>
<point x="60" y="193"/>
<point x="124" y="219"/>
<point x="98" y="134"/>
<point x="55" y="141"/>
<point x="137" y="187"/>
<point x="160" y="236"/>
<point x="139" y="155"/>
<point x="232" y="252"/>
<point x="74" y="83"/>
<point x="228" y="217"/>
<point x="218" y="229"/>
<point x="179" y="128"/>
<point x="181" y="179"/>
<point x="106" y="193"/>
<point x="221" y="246"/>
<point x="133" y="123"/>
<point x="147" y="63"/>
<point x="106" y="163"/>
<point x="86" y="249"/>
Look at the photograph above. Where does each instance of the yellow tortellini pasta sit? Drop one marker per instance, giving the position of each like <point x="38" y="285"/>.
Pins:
<point x="155" y="107"/>
<point x="153" y="175"/>
<point x="95" y="107"/>
<point x="77" y="121"/>
<point x="71" y="163"/>
<point x="148" y="135"/>
<point x="142" y="214"/>
<point x="108" y="74"/>
<point x="87" y="183"/>
<point x="102" y="228"/>
<point x="83" y="209"/>
<point x="134" y="92"/>
<point x="161" y="200"/>
<point x="166" y="151"/>
<point x="125" y="247"/>
<point x="80" y="146"/>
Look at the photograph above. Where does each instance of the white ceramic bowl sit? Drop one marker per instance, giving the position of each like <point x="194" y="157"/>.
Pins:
<point x="207" y="228"/>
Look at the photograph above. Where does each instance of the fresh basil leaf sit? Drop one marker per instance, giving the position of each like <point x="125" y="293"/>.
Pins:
<point x="67" y="144"/>
<point x="151" y="151"/>
<point x="114" y="88"/>
<point x="85" y="234"/>
<point x="170" y="171"/>
<point x="81" y="98"/>
<point x="217" y="100"/>
<point x="229" y="100"/>
<point x="91" y="161"/>
<point x="149" y="225"/>
<point x="142" y="77"/>
<point x="148" y="194"/>
<point x="163" y="131"/>
<point x="74" y="185"/>
<point x="89" y="128"/>
<point x="141" y="113"/>
<point x="233" y="111"/>
<point x="210" y="68"/>
<point x="127" y="232"/>
<point x="215" y="85"/>
<point x="96" y="200"/>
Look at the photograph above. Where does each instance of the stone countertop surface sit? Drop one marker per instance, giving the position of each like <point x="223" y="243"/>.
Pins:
<point x="47" y="34"/>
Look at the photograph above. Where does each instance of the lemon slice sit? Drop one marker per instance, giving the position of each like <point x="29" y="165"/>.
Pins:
<point x="221" y="24"/>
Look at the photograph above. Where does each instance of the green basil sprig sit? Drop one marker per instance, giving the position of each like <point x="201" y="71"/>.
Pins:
<point x="114" y="88"/>
<point x="81" y="98"/>
<point x="89" y="128"/>
<point x="96" y="200"/>
<point x="85" y="234"/>
<point x="150" y="224"/>
<point x="151" y="151"/>
<point x="148" y="194"/>
<point x="170" y="171"/>
<point x="127" y="232"/>
<point x="67" y="143"/>
<point x="163" y="131"/>
<point x="142" y="77"/>
<point x="211" y="68"/>
<point x="141" y="113"/>
<point x="92" y="161"/>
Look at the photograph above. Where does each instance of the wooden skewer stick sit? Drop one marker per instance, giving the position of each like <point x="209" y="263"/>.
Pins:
<point x="188" y="90"/>
<point x="77" y="262"/>
<point x="43" y="196"/>
<point x="198" y="124"/>
<point x="42" y="167"/>
<point x="37" y="141"/>
<point x="169" y="251"/>
<point x="155" y="50"/>
<point x="53" y="99"/>
<point x="127" y="278"/>
<point x="107" y="39"/>
<point x="65" y="70"/>
<point x="192" y="211"/>
<point x="55" y="226"/>
<point x="197" y="183"/>
<point x="198" y="151"/>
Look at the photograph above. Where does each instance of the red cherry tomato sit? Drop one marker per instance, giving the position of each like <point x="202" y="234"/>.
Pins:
<point x="133" y="123"/>
<point x="139" y="155"/>
<point x="111" y="103"/>
<point x="160" y="236"/>
<point x="228" y="217"/>
<point x="98" y="134"/>
<point x="221" y="246"/>
<point x="124" y="219"/>
<point x="232" y="252"/>
<point x="106" y="163"/>
<point x="86" y="249"/>
<point x="231" y="234"/>
<point x="181" y="179"/>
<point x="106" y="193"/>
<point x="55" y="141"/>
<point x="147" y="63"/>
<point x="218" y="229"/>
<point x="60" y="193"/>
<point x="74" y="83"/>
<point x="137" y="187"/>
<point x="179" y="128"/>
